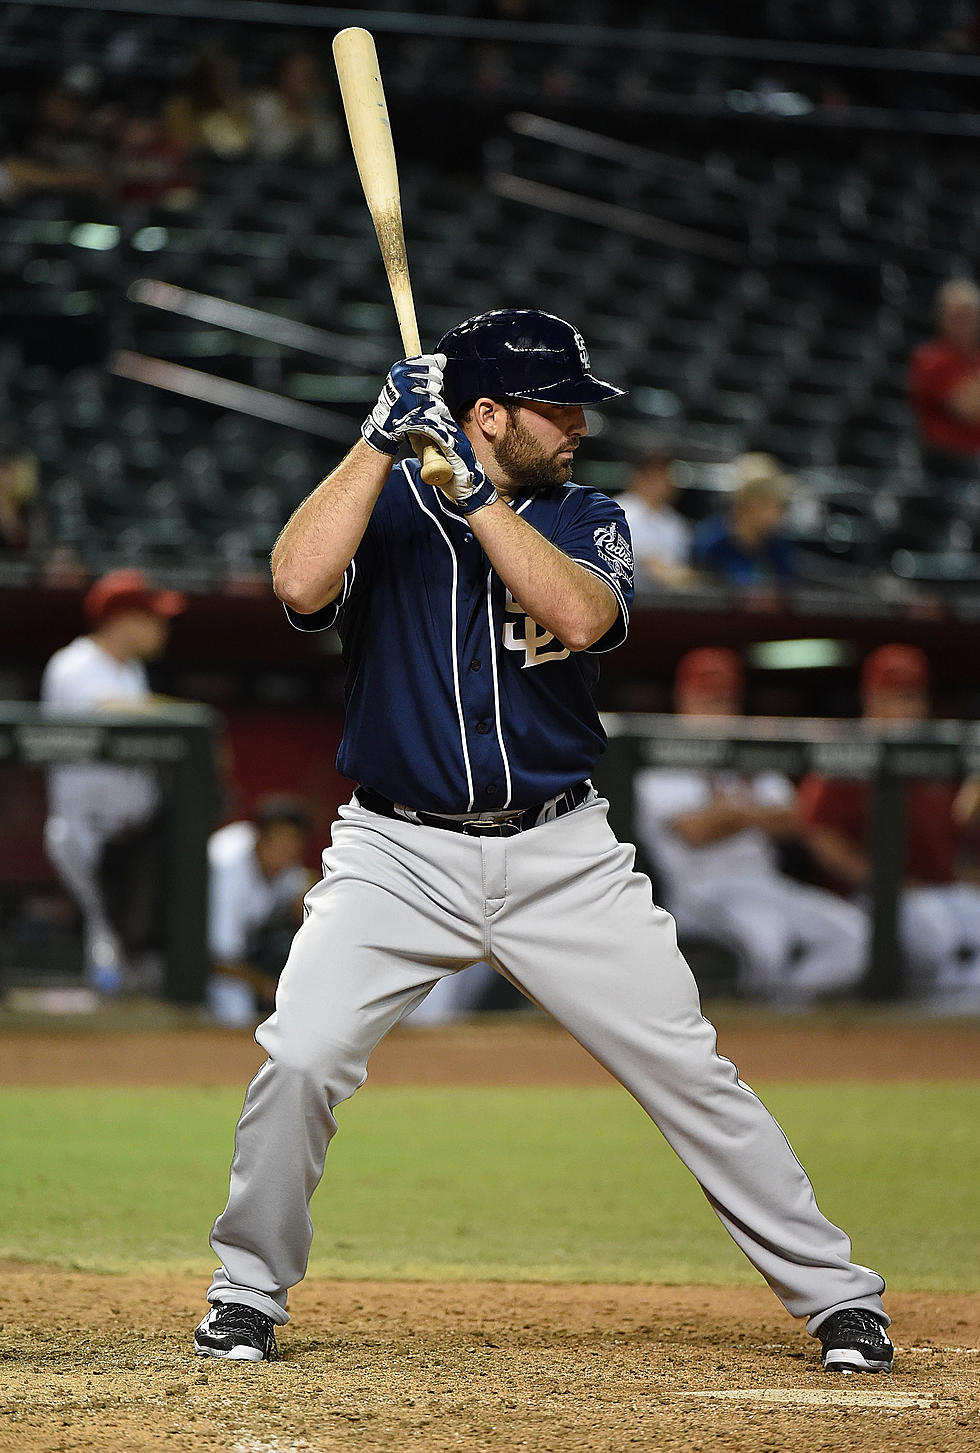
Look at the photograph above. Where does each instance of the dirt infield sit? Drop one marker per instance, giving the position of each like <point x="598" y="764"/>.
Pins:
<point x="102" y="1363"/>
<point x="522" y="1049"/>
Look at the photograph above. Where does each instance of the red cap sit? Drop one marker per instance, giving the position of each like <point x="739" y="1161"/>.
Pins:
<point x="129" y="590"/>
<point x="711" y="668"/>
<point x="902" y="668"/>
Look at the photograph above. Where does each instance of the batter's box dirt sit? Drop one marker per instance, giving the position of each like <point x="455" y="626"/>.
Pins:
<point x="102" y="1363"/>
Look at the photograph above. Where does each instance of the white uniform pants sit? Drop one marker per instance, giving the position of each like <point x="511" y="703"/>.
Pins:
<point x="74" y="846"/>
<point x="560" y="911"/>
<point x="793" y="942"/>
<point x="940" y="932"/>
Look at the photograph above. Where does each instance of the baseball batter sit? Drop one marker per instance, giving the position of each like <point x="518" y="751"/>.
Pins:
<point x="471" y="624"/>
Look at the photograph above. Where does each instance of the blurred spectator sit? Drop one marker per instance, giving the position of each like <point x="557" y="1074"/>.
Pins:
<point x="69" y="132"/>
<point x="711" y="840"/>
<point x="99" y="833"/>
<point x="746" y="544"/>
<point x="65" y="148"/>
<point x="20" y="522"/>
<point x="661" y="536"/>
<point x="212" y="115"/>
<point x="150" y="165"/>
<point x="290" y="117"/>
<point x="20" y="175"/>
<point x="256" y="884"/>
<point x="944" y="383"/>
<point x="939" y="916"/>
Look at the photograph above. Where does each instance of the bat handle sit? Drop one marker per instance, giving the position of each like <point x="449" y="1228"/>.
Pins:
<point x="436" y="468"/>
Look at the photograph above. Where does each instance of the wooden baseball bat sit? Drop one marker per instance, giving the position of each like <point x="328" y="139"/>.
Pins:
<point x="356" y="60"/>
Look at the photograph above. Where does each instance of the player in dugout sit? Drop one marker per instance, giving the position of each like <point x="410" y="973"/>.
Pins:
<point x="712" y="839"/>
<point x="939" y="911"/>
<point x="471" y="622"/>
<point x="256" y="883"/>
<point x="100" y="830"/>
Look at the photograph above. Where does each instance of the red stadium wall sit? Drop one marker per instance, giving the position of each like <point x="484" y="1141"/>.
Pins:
<point x="263" y="749"/>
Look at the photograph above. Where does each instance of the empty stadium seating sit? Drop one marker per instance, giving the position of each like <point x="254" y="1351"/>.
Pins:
<point x="797" y="345"/>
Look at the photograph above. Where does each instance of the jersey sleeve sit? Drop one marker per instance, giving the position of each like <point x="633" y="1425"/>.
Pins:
<point x="597" y="537"/>
<point x="321" y="620"/>
<point x="353" y="586"/>
<point x="662" y="794"/>
<point x="772" y="789"/>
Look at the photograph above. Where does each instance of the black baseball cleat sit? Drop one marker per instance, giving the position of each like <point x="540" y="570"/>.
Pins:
<point x="854" y="1341"/>
<point x="240" y="1333"/>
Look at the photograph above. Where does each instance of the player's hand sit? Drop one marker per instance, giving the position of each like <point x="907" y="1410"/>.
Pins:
<point x="410" y="386"/>
<point x="469" y="487"/>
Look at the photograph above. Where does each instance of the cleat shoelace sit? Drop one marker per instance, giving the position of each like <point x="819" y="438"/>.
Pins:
<point x="865" y="1324"/>
<point x="255" y="1327"/>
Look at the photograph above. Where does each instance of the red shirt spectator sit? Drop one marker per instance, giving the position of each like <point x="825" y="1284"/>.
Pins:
<point x="944" y="379"/>
<point x="930" y="833"/>
<point x="894" y="687"/>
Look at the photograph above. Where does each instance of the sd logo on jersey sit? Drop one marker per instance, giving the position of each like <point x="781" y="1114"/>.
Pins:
<point x="537" y="644"/>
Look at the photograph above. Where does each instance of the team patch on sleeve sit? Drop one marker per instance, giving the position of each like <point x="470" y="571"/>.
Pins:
<point x="614" y="549"/>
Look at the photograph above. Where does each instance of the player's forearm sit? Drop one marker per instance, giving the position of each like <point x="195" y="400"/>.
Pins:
<point x="559" y="594"/>
<point x="778" y="822"/>
<point x="318" y="542"/>
<point x="722" y="818"/>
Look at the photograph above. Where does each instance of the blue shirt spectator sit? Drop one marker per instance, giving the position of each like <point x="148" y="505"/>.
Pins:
<point x="746" y="545"/>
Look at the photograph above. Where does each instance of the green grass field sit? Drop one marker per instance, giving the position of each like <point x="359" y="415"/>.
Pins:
<point x="499" y="1184"/>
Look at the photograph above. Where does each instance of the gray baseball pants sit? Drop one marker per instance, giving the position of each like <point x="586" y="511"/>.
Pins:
<point x="560" y="911"/>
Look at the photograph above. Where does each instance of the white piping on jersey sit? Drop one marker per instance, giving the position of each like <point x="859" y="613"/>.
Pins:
<point x="454" y="653"/>
<point x="496" y="689"/>
<point x="348" y="583"/>
<point x="337" y="605"/>
<point x="606" y="580"/>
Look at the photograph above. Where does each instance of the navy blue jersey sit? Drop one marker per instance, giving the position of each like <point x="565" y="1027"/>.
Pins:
<point x="456" y="700"/>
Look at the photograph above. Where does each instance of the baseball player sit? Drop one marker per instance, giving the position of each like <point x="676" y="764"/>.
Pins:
<point x="94" y="806"/>
<point x="256" y="885"/>
<point x="711" y="840"/>
<point x="471" y="623"/>
<point x="939" y="910"/>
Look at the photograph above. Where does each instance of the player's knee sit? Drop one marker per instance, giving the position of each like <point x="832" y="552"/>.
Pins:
<point x="328" y="1065"/>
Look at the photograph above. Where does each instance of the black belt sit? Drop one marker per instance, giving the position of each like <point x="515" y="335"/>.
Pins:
<point x="518" y="821"/>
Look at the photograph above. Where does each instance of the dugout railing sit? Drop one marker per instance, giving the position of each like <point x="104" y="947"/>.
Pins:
<point x="888" y="756"/>
<point x="177" y="739"/>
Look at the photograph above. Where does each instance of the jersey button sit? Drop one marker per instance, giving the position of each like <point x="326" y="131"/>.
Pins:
<point x="492" y="790"/>
<point x="475" y="664"/>
<point x="483" y="727"/>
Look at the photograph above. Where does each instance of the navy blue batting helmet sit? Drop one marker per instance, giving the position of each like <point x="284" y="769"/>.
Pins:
<point x="519" y="353"/>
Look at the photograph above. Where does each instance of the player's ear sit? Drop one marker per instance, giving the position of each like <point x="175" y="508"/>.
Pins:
<point x="490" y="417"/>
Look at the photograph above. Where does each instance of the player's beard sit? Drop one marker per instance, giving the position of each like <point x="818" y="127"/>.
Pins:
<point x="530" y="469"/>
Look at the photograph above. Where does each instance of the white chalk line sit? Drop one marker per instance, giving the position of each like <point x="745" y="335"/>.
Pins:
<point x="817" y="1397"/>
<point x="269" y="1445"/>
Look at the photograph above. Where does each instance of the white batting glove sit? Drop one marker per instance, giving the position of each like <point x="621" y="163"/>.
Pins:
<point x="470" y="488"/>
<point x="409" y="386"/>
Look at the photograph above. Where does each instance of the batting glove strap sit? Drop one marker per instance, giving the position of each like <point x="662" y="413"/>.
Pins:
<point x="378" y="439"/>
<point x="482" y="493"/>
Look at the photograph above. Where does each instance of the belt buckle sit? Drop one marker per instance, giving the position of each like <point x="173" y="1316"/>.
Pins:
<point x="488" y="827"/>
